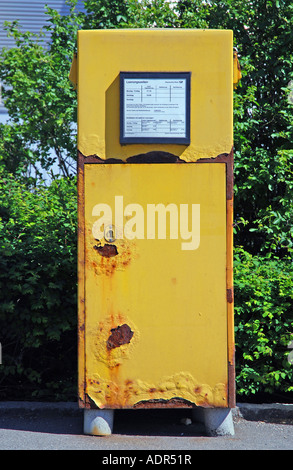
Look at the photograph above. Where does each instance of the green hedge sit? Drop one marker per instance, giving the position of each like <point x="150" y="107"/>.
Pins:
<point x="38" y="276"/>
<point x="38" y="302"/>
<point x="263" y="324"/>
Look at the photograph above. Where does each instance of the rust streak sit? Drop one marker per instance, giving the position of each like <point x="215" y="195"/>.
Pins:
<point x="230" y="295"/>
<point x="120" y="335"/>
<point x="229" y="161"/>
<point x="231" y="383"/>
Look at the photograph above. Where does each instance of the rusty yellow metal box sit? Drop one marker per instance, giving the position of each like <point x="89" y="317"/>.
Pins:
<point x="155" y="267"/>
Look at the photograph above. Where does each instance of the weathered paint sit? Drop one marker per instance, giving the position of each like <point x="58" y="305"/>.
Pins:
<point x="140" y="394"/>
<point x="168" y="305"/>
<point x="103" y="54"/>
<point x="155" y="322"/>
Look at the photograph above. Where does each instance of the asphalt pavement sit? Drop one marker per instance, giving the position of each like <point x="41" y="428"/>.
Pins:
<point x="168" y="434"/>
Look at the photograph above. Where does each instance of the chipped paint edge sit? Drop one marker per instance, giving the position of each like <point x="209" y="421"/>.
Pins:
<point x="168" y="392"/>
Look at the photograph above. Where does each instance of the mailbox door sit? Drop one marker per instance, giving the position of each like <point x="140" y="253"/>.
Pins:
<point x="155" y="324"/>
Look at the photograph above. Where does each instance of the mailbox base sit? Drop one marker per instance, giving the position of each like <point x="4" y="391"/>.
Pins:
<point x="98" y="422"/>
<point x="217" y="421"/>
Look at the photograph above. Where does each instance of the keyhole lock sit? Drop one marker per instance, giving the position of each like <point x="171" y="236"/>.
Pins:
<point x="109" y="233"/>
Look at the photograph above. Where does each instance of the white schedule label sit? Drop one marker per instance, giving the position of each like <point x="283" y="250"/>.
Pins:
<point x="155" y="107"/>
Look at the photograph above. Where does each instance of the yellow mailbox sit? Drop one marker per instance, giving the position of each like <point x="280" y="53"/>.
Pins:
<point x="155" y="202"/>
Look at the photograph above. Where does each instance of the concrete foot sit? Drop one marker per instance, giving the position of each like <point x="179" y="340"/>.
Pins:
<point x="218" y="421"/>
<point x="98" y="422"/>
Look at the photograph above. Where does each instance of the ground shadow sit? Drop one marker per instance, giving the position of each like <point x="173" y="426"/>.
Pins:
<point x="142" y="422"/>
<point x="43" y="422"/>
<point x="157" y="422"/>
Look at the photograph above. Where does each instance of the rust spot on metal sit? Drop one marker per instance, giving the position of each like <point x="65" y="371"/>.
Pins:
<point x="161" y="403"/>
<point x="230" y="295"/>
<point x="89" y="403"/>
<point x="95" y="159"/>
<point x="155" y="157"/>
<point x="111" y="257"/>
<point x="149" y="157"/>
<point x="106" y="250"/>
<point x="120" y="335"/>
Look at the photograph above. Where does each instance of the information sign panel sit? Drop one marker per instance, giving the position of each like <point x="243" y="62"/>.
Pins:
<point x="155" y="107"/>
